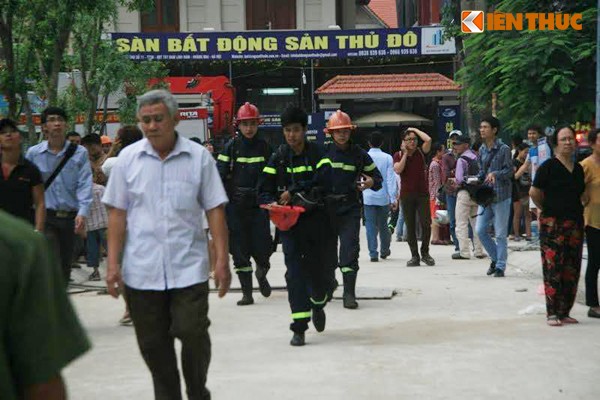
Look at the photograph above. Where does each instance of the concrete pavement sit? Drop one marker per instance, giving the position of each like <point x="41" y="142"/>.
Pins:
<point x="451" y="332"/>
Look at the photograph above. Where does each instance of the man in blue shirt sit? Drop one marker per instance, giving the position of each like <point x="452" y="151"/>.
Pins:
<point x="69" y="195"/>
<point x="378" y="203"/>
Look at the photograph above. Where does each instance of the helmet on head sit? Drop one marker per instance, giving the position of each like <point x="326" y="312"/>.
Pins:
<point x="339" y="120"/>
<point x="248" y="111"/>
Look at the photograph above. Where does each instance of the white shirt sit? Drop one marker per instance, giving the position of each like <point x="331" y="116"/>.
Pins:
<point x="165" y="201"/>
<point x="388" y="192"/>
<point x="108" y="164"/>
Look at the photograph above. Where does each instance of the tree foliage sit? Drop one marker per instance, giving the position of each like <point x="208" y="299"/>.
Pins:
<point x="542" y="77"/>
<point x="39" y="39"/>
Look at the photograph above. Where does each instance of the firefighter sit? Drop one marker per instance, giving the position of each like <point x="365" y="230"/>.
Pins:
<point x="352" y="171"/>
<point x="297" y="174"/>
<point x="240" y="165"/>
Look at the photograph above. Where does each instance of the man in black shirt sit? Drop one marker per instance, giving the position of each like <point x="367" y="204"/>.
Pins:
<point x="21" y="186"/>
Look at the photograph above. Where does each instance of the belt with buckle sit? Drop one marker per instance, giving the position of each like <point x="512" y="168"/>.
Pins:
<point x="61" y="213"/>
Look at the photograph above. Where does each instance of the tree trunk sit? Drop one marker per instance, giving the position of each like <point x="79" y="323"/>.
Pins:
<point x="6" y="38"/>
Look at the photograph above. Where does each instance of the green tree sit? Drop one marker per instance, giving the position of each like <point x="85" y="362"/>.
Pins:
<point x="540" y="77"/>
<point x="95" y="60"/>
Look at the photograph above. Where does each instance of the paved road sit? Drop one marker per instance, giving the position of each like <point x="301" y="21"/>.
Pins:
<point x="451" y="333"/>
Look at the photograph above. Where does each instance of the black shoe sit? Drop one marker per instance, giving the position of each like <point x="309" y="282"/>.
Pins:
<point x="414" y="262"/>
<point x="75" y="266"/>
<point x="492" y="268"/>
<point x="375" y="259"/>
<point x="298" y="339"/>
<point x="318" y="319"/>
<point x="246" y="300"/>
<point x="457" y="256"/>
<point x="427" y="259"/>
<point x="385" y="255"/>
<point x="94" y="276"/>
<point x="499" y="274"/>
<point x="264" y="286"/>
<point x="593" y="314"/>
<point x="349" y="295"/>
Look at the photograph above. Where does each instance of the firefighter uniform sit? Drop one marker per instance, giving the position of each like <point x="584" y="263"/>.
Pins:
<point x="304" y="244"/>
<point x="240" y="165"/>
<point x="345" y="204"/>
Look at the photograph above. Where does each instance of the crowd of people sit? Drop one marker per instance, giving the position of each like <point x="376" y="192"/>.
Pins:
<point x="174" y="210"/>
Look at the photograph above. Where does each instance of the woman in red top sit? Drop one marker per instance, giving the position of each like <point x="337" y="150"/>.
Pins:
<point x="411" y="165"/>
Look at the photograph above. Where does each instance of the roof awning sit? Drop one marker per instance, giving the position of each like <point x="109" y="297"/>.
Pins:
<point x="391" y="118"/>
<point x="387" y="86"/>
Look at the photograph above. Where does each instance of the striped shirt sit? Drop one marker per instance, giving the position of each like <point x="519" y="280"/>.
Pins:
<point x="166" y="244"/>
<point x="97" y="217"/>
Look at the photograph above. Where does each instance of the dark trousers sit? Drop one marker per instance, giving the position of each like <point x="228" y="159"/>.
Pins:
<point x="593" y="266"/>
<point x="412" y="204"/>
<point x="161" y="316"/>
<point x="307" y="275"/>
<point x="249" y="236"/>
<point x="561" y="245"/>
<point x="60" y="232"/>
<point x="347" y="228"/>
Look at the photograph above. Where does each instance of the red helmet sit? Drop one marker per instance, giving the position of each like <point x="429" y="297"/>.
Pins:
<point x="339" y="120"/>
<point x="248" y="111"/>
<point x="284" y="217"/>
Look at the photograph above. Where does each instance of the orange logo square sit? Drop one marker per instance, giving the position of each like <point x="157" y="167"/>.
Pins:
<point x="472" y="21"/>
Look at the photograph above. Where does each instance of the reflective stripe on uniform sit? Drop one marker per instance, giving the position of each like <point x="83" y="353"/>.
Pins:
<point x="318" y="303"/>
<point x="323" y="162"/>
<point x="296" y="170"/>
<point x="346" y="270"/>
<point x="301" y="315"/>
<point x="249" y="160"/>
<point x="342" y="166"/>
<point x="243" y="269"/>
<point x="223" y="157"/>
<point x="270" y="170"/>
<point x="370" y="168"/>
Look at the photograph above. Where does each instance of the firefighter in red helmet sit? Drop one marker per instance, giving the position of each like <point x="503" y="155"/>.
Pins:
<point x="352" y="171"/>
<point x="240" y="165"/>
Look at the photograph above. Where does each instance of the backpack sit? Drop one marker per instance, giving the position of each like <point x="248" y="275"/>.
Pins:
<point x="472" y="166"/>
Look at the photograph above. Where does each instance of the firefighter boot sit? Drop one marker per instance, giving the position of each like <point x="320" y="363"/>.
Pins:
<point x="246" y="282"/>
<point x="349" y="291"/>
<point x="263" y="283"/>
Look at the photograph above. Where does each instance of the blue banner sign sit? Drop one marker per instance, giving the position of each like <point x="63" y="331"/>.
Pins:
<point x="279" y="45"/>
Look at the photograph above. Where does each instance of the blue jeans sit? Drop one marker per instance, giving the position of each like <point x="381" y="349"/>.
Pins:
<point x="93" y="241"/>
<point x="400" y="231"/>
<point x="497" y="214"/>
<point x="376" y="224"/>
<point x="451" y="206"/>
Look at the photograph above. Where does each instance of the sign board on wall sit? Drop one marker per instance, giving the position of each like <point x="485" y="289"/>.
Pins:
<point x="296" y="44"/>
<point x="448" y="119"/>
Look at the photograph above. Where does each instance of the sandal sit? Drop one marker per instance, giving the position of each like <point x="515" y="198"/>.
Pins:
<point x="569" y="320"/>
<point x="553" y="321"/>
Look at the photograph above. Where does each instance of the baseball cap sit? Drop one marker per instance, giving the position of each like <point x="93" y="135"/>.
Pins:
<point x="455" y="132"/>
<point x="105" y="139"/>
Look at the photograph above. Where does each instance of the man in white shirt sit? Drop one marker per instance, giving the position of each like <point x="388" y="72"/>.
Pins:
<point x="157" y="192"/>
<point x="378" y="203"/>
